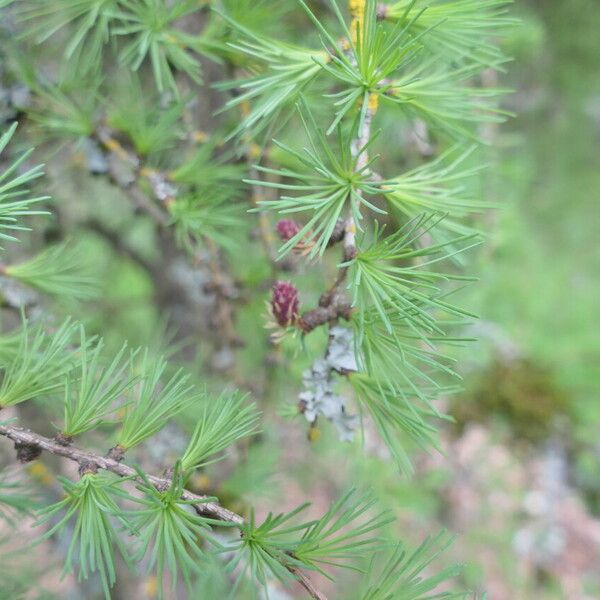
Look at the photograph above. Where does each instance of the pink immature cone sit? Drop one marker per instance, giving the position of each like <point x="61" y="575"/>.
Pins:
<point x="287" y="229"/>
<point x="284" y="303"/>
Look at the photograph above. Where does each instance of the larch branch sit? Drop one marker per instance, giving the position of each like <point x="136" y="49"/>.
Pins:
<point x="24" y="438"/>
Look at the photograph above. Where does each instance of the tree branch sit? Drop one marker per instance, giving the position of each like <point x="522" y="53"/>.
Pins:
<point x="306" y="583"/>
<point x="162" y="194"/>
<point x="332" y="304"/>
<point x="362" y="158"/>
<point x="83" y="457"/>
<point x="161" y="189"/>
<point x="24" y="438"/>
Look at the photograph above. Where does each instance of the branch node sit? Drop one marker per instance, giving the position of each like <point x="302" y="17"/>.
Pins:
<point x="63" y="439"/>
<point x="116" y="453"/>
<point x="331" y="307"/>
<point x="88" y="468"/>
<point x="27" y="452"/>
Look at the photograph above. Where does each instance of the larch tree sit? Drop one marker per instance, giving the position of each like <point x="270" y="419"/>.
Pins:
<point x="322" y="158"/>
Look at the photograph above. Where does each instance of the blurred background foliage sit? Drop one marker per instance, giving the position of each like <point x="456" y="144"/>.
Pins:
<point x="521" y="463"/>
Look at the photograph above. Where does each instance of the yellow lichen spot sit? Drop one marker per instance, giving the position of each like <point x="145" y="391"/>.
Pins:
<point x="147" y="172"/>
<point x="373" y="102"/>
<point x="200" y="481"/>
<point x="112" y="144"/>
<point x="354" y="27"/>
<point x="245" y="108"/>
<point x="40" y="472"/>
<point x="314" y="434"/>
<point x="254" y="151"/>
<point x="151" y="587"/>
<point x="357" y="10"/>
<point x="357" y="7"/>
<point x="200" y="137"/>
